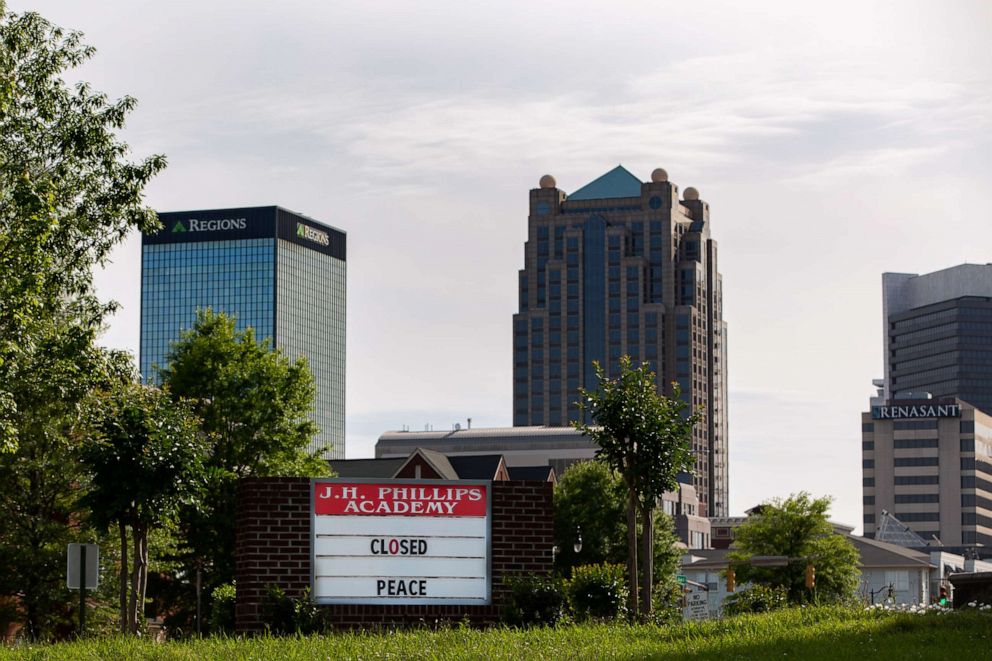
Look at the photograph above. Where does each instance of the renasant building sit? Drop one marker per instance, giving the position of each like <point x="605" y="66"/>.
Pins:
<point x="927" y="440"/>
<point x="278" y="272"/>
<point x="929" y="463"/>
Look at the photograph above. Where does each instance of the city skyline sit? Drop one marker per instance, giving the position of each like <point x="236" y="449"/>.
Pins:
<point x="831" y="150"/>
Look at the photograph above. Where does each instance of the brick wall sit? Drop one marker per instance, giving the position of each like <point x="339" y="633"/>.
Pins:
<point x="273" y="548"/>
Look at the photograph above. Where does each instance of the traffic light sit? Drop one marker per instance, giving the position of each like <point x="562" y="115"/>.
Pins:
<point x="943" y="596"/>
<point x="810" y="576"/>
<point x="731" y="579"/>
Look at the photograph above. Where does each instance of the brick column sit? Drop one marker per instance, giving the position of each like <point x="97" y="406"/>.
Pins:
<point x="272" y="543"/>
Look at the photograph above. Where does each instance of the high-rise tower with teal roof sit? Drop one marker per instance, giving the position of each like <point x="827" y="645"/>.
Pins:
<point x="619" y="267"/>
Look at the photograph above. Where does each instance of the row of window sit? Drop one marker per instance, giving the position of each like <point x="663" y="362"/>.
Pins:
<point x="976" y="519"/>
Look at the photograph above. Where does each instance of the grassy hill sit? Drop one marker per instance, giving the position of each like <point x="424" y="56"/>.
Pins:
<point x="807" y="634"/>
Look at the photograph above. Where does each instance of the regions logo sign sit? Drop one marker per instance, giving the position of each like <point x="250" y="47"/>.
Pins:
<point x="197" y="225"/>
<point x="393" y="542"/>
<point x="311" y="234"/>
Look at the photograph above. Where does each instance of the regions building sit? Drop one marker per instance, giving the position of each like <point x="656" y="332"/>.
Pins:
<point x="927" y="439"/>
<point x="278" y="272"/>
<point x="622" y="266"/>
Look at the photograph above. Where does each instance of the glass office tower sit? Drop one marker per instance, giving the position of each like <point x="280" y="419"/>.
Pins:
<point x="619" y="267"/>
<point x="282" y="274"/>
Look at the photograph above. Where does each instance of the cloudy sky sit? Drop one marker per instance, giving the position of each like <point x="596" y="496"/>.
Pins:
<point x="833" y="141"/>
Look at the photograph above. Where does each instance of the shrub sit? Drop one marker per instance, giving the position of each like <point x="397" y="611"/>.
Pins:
<point x="222" y="608"/>
<point x="667" y="601"/>
<point x="598" y="591"/>
<point x="756" y="599"/>
<point x="283" y="614"/>
<point x="533" y="600"/>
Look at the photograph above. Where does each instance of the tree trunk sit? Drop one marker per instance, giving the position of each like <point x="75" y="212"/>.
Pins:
<point x="632" y="554"/>
<point x="123" y="576"/>
<point x="136" y="608"/>
<point x="647" y="568"/>
<point x="142" y="578"/>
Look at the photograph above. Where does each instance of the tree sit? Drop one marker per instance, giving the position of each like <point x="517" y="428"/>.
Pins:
<point x="67" y="192"/>
<point x="797" y="527"/>
<point x="591" y="497"/>
<point x="144" y="461"/>
<point x="41" y="476"/>
<point x="645" y="437"/>
<point x="254" y="406"/>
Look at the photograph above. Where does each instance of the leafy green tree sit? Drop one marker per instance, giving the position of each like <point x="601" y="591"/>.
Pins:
<point x="254" y="405"/>
<point x="646" y="438"/>
<point x="37" y="498"/>
<point x="41" y="477"/>
<point x="144" y="461"/>
<point x="591" y="497"/>
<point x="68" y="194"/>
<point x="797" y="527"/>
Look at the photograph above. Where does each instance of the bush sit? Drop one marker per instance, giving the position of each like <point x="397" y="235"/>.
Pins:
<point x="283" y="614"/>
<point x="667" y="601"/>
<point x="222" y="608"/>
<point x="598" y="591"/>
<point x="533" y="601"/>
<point x="756" y="599"/>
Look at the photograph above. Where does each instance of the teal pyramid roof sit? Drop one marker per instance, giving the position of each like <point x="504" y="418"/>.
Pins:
<point x="618" y="182"/>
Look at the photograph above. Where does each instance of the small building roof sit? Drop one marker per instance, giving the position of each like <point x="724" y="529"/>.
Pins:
<point x="616" y="183"/>
<point x="533" y="473"/>
<point x="872" y="554"/>
<point x="876" y="554"/>
<point x="366" y="468"/>
<point x="476" y="467"/>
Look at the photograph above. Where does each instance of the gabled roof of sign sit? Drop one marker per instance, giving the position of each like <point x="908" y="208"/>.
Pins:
<point x="618" y="182"/>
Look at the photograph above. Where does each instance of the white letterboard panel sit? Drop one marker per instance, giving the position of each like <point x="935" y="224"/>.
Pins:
<point x="400" y="541"/>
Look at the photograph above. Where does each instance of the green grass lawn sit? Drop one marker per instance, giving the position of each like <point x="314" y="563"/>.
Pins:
<point x="811" y="633"/>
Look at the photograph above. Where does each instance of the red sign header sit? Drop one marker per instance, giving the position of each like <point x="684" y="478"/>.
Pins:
<point x="392" y="499"/>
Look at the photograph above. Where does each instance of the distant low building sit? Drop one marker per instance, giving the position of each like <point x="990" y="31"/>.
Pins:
<point x="724" y="527"/>
<point x="558" y="447"/>
<point x="554" y="448"/>
<point x="882" y="565"/>
<point x="426" y="464"/>
<point x="890" y="572"/>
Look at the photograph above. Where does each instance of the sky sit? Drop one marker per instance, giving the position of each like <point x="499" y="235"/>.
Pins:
<point x="833" y="142"/>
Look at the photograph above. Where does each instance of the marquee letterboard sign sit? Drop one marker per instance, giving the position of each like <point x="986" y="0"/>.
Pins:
<point x="400" y="541"/>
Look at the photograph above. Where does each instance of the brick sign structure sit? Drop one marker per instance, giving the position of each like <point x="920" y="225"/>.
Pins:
<point x="274" y="547"/>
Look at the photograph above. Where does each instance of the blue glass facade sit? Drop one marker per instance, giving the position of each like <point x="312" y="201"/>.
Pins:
<point x="279" y="273"/>
<point x="236" y="277"/>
